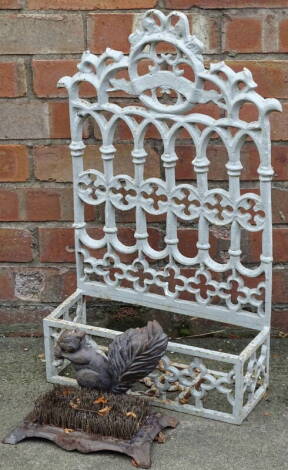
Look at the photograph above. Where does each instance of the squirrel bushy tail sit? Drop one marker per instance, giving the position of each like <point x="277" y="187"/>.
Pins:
<point x="134" y="354"/>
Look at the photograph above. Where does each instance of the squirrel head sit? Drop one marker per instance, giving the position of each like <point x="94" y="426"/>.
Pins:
<point x="70" y="340"/>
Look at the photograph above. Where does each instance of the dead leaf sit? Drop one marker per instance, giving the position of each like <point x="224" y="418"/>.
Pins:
<point x="41" y="356"/>
<point x="267" y="413"/>
<point x="198" y="384"/>
<point x="152" y="392"/>
<point x="68" y="430"/>
<point x="131" y="414"/>
<point x="134" y="463"/>
<point x="74" y="405"/>
<point x="101" y="400"/>
<point x="104" y="411"/>
<point x="185" y="398"/>
<point x="160" y="438"/>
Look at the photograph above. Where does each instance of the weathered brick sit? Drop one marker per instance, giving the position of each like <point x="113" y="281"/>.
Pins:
<point x="279" y="124"/>
<point x="54" y="162"/>
<point x="249" y="112"/>
<point x="280" y="161"/>
<point x="270" y="31"/>
<point x="52" y="204"/>
<point x="185" y="4"/>
<point x="42" y="284"/>
<point x="251" y="245"/>
<point x="66" y="203"/>
<point x="109" y="30"/>
<point x="42" y="204"/>
<point x="283" y="35"/>
<point x="13" y="79"/>
<point x="24" y="120"/>
<point x="184" y="168"/>
<point x="271" y="76"/>
<point x="280" y="245"/>
<point x="279" y="121"/>
<point x="15" y="245"/>
<point x="67" y="209"/>
<point x="28" y="315"/>
<point x="280" y="320"/>
<point x="69" y="283"/>
<point x="41" y="33"/>
<point x="90" y="4"/>
<point x="46" y="74"/>
<point x="10" y="4"/>
<point x="219" y="239"/>
<point x="59" y="121"/>
<point x="9" y="205"/>
<point x="208" y="30"/>
<point x="6" y="285"/>
<point x="14" y="164"/>
<point x="243" y="33"/>
<point x="280" y="205"/>
<point x="187" y="241"/>
<point x="57" y="244"/>
<point x="280" y="283"/>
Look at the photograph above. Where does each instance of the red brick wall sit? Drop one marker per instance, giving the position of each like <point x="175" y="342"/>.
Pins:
<point x="40" y="41"/>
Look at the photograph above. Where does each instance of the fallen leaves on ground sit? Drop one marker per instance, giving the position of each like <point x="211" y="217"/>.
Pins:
<point x="185" y="398"/>
<point x="68" y="430"/>
<point x="74" y="404"/>
<point x="101" y="400"/>
<point x="131" y="414"/>
<point x="104" y="411"/>
<point x="160" y="438"/>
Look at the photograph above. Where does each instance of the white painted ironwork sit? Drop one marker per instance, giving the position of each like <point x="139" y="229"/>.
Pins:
<point x="169" y="93"/>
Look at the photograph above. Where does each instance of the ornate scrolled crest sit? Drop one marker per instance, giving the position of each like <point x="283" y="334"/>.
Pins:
<point x="175" y="70"/>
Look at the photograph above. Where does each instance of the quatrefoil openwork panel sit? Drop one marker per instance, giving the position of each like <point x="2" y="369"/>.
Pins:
<point x="191" y="383"/>
<point x="184" y="200"/>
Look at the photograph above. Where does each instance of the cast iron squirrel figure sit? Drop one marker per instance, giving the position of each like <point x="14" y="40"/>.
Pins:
<point x="131" y="356"/>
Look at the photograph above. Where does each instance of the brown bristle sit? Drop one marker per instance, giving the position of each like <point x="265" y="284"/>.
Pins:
<point x="91" y="411"/>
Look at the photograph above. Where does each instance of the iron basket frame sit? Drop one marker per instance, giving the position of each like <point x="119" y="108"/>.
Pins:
<point x="246" y="381"/>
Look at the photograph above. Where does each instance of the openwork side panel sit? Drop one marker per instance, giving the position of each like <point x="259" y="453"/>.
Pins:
<point x="174" y="91"/>
<point x="212" y="384"/>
